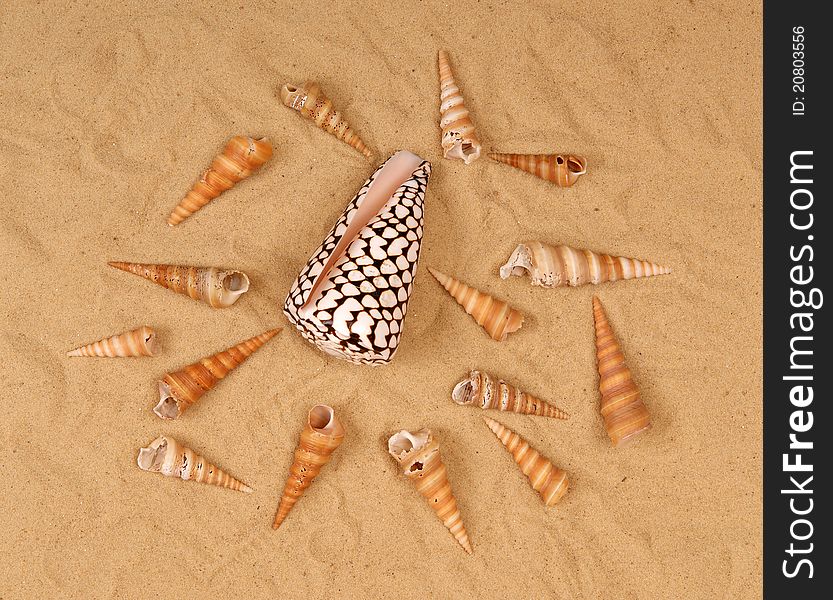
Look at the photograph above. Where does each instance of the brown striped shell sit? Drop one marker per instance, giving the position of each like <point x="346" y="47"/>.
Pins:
<point x="561" y="169"/>
<point x="554" y="266"/>
<point x="482" y="390"/>
<point x="418" y="455"/>
<point x="459" y="140"/>
<point x="138" y="342"/>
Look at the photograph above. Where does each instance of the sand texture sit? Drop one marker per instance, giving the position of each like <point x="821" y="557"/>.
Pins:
<point x="109" y="112"/>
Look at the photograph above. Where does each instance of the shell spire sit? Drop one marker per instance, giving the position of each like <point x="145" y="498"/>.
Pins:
<point x="554" y="266"/>
<point x="545" y="478"/>
<point x="561" y="169"/>
<point x="138" y="342"/>
<point x="241" y="157"/>
<point x="180" y="389"/>
<point x="309" y="100"/>
<point x="483" y="390"/>
<point x="418" y="455"/>
<point x="495" y="316"/>
<point x="459" y="139"/>
<point x="319" y="439"/>
<point x="168" y="457"/>
<point x="216" y="287"/>
<point x="624" y="414"/>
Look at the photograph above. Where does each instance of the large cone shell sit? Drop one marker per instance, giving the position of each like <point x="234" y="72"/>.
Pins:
<point x="319" y="439"/>
<point x="241" y="157"/>
<point x="180" y="389"/>
<point x="482" y="390"/>
<point x="139" y="342"/>
<point x="310" y="101"/>
<point x="622" y="409"/>
<point x="495" y="316"/>
<point x="166" y="456"/>
<point x="545" y="478"/>
<point x="459" y="139"/>
<point x="418" y="455"/>
<point x="554" y="266"/>
<point x="561" y="169"/>
<point x="216" y="287"/>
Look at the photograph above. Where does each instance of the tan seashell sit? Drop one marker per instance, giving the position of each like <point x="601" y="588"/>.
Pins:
<point x="166" y="456"/>
<point x="554" y="266"/>
<point x="418" y="455"/>
<point x="458" y="137"/>
<point x="139" y="342"/>
<point x="622" y="409"/>
<point x="241" y="157"/>
<point x="217" y="288"/>
<point x="481" y="389"/>
<point x="545" y="478"/>
<point x="313" y="104"/>
<point x="319" y="439"/>
<point x="495" y="316"/>
<point x="561" y="169"/>
<point x="180" y="389"/>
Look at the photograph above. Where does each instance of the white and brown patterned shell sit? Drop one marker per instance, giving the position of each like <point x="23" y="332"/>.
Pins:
<point x="351" y="298"/>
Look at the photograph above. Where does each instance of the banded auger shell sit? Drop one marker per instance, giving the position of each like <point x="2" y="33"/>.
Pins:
<point x="418" y="455"/>
<point x="351" y="298"/>
<point x="545" y="478"/>
<point x="180" y="389"/>
<point x="554" y="266"/>
<point x="495" y="316"/>
<point x="561" y="169"/>
<point x="215" y="287"/>
<point x="139" y="342"/>
<point x="481" y="389"/>
<point x="319" y="439"/>
<point x="166" y="456"/>
<point x="622" y="409"/>
<point x="241" y="157"/>
<point x="314" y="105"/>
<point x="458" y="137"/>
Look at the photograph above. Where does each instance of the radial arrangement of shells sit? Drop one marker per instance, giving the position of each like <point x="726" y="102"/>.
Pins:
<point x="351" y="297"/>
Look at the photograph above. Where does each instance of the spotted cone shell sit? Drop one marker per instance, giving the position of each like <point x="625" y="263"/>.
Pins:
<point x="482" y="390"/>
<point x="167" y="457"/>
<point x="459" y="140"/>
<point x="561" y="169"/>
<point x="351" y="298"/>
<point x="139" y="342"/>
<point x="624" y="414"/>
<point x="545" y="478"/>
<point x="418" y="455"/>
<point x="554" y="266"/>
<point x="319" y="439"/>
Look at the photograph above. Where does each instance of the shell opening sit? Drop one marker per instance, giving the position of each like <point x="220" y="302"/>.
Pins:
<point x="518" y="263"/>
<point x="403" y="442"/>
<point x="168" y="408"/>
<point x="465" y="391"/>
<point x="322" y="419"/>
<point x="576" y="166"/>
<point x="150" y="340"/>
<point x="152" y="457"/>
<point x="236" y="282"/>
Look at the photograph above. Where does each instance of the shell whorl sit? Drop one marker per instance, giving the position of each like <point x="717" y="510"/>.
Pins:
<point x="545" y="478"/>
<point x="180" y="389"/>
<point x="459" y="139"/>
<point x="624" y="414"/>
<point x="241" y="157"/>
<point x="418" y="455"/>
<point x="482" y="390"/>
<point x="138" y="342"/>
<point x="319" y="439"/>
<point x="495" y="316"/>
<point x="554" y="266"/>
<point x="166" y="456"/>
<point x="561" y="169"/>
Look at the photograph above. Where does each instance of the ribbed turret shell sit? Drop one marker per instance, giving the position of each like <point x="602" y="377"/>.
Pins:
<point x="139" y="342"/>
<point x="482" y="390"/>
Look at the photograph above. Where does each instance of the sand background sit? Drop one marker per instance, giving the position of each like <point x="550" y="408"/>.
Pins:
<point x="108" y="114"/>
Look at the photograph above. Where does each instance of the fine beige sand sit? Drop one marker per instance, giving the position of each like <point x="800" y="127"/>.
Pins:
<point x="108" y="114"/>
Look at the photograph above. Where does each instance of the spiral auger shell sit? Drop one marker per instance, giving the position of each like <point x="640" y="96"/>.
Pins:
<point x="495" y="316"/>
<point x="241" y="157"/>
<point x="459" y="140"/>
<point x="138" y="342"/>
<point x="166" y="456"/>
<point x="554" y="266"/>
<point x="181" y="389"/>
<point x="545" y="478"/>
<point x="216" y="287"/>
<point x="319" y="439"/>
<point x="310" y="101"/>
<point x="418" y="455"/>
<point x="624" y="414"/>
<point x="561" y="169"/>
<point x="482" y="390"/>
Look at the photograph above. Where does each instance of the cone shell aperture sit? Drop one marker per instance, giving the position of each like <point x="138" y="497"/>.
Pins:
<point x="484" y="391"/>
<point x="138" y="342"/>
